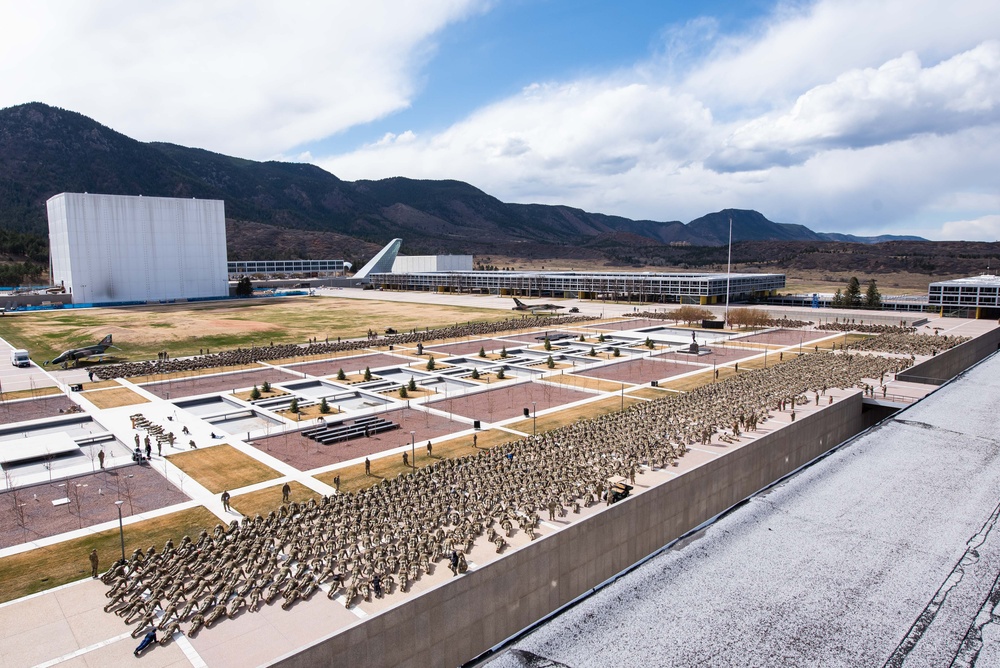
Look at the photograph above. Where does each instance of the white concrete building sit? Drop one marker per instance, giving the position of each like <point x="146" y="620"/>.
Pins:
<point x="412" y="264"/>
<point x="113" y="248"/>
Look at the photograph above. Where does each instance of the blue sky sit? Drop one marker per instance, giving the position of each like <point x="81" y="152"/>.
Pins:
<point x="855" y="116"/>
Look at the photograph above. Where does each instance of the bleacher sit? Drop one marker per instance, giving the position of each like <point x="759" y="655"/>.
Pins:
<point x="332" y="432"/>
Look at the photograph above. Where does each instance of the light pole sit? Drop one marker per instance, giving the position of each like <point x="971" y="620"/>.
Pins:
<point x="413" y="451"/>
<point x="534" y="419"/>
<point x="121" y="528"/>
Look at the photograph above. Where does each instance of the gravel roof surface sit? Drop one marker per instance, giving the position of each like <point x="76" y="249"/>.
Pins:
<point x="883" y="553"/>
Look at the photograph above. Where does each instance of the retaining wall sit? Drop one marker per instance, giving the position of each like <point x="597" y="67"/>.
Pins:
<point x="457" y="621"/>
<point x="945" y="366"/>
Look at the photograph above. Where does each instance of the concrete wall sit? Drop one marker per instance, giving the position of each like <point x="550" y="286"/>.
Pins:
<point x="456" y="622"/>
<point x="945" y="366"/>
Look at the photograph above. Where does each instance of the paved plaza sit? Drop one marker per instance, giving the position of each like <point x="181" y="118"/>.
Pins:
<point x="67" y="625"/>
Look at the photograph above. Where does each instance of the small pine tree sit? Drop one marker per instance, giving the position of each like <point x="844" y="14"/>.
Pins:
<point x="503" y="353"/>
<point x="430" y="363"/>
<point x="475" y="373"/>
<point x="593" y="353"/>
<point x="852" y="296"/>
<point x="341" y="375"/>
<point x="403" y="394"/>
<point x="324" y="407"/>
<point x="412" y="385"/>
<point x="368" y="374"/>
<point x="500" y="374"/>
<point x="649" y="343"/>
<point x="582" y="338"/>
<point x="482" y="351"/>
<point x="873" y="298"/>
<point x="551" y="363"/>
<point x="294" y="406"/>
<point x="548" y="344"/>
<point x="838" y="299"/>
<point x="266" y="387"/>
<point x="616" y="352"/>
<point x="600" y="338"/>
<point x="254" y="394"/>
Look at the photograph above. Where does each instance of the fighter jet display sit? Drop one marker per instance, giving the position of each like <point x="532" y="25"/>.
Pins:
<point x="535" y="308"/>
<point x="94" y="352"/>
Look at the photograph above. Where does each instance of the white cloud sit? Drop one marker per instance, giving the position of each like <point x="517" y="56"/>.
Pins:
<point x="986" y="228"/>
<point x="253" y="79"/>
<point x="855" y="116"/>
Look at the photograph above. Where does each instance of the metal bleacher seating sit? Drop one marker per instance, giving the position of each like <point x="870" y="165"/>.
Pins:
<point x="332" y="432"/>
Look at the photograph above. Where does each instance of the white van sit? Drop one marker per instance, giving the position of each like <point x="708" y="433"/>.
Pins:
<point x="19" y="357"/>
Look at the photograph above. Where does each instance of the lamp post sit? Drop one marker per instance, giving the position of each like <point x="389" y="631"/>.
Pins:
<point x="413" y="451"/>
<point x="121" y="528"/>
<point x="534" y="419"/>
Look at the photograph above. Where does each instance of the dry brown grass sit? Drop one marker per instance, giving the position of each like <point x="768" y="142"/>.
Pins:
<point x="222" y="467"/>
<point x="113" y="398"/>
<point x="551" y="421"/>
<point x="265" y="500"/>
<point x="101" y="384"/>
<point x="54" y="565"/>
<point x="245" y="394"/>
<point x="25" y="394"/>
<point x="584" y="382"/>
<point x="309" y="413"/>
<point x="353" y="478"/>
<point x="648" y="392"/>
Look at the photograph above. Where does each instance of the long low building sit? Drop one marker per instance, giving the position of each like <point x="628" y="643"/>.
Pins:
<point x="288" y="267"/>
<point x="685" y="288"/>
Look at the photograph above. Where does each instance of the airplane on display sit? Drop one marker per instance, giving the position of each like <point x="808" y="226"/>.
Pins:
<point x="535" y="308"/>
<point x="89" y="353"/>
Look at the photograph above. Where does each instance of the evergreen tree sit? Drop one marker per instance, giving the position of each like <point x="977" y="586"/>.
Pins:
<point x="368" y="374"/>
<point x="500" y="374"/>
<point x="244" y="288"/>
<point x="649" y="343"/>
<point x="873" y="298"/>
<point x="593" y="353"/>
<point x="475" y="373"/>
<point x="582" y="339"/>
<point x="324" y="407"/>
<point x="503" y="353"/>
<point x="548" y="344"/>
<point x="403" y="394"/>
<point x="430" y="363"/>
<point x="838" y="299"/>
<point x="616" y="352"/>
<point x="254" y="394"/>
<point x="412" y="385"/>
<point x="600" y="338"/>
<point x="852" y="295"/>
<point x="551" y="363"/>
<point x="341" y="375"/>
<point x="266" y="387"/>
<point x="294" y="406"/>
<point x="482" y="351"/>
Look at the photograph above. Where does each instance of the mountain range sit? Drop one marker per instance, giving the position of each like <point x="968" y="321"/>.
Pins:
<point x="282" y="209"/>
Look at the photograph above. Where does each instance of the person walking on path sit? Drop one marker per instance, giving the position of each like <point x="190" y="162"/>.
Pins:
<point x="93" y="563"/>
<point x="286" y="489"/>
<point x="428" y="448"/>
<point x="368" y="466"/>
<point x="225" y="500"/>
<point x="100" y="457"/>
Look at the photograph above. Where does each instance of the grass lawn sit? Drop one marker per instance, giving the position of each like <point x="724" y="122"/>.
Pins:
<point x="185" y="329"/>
<point x="245" y="394"/>
<point x="47" y="567"/>
<point x="25" y="394"/>
<point x="551" y="421"/>
<point x="307" y="413"/>
<point x="648" y="392"/>
<point x="353" y="478"/>
<point x="222" y="467"/>
<point x="265" y="500"/>
<point x="113" y="398"/>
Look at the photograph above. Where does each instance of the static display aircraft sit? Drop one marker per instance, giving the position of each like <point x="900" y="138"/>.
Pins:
<point x="535" y="308"/>
<point x="94" y="352"/>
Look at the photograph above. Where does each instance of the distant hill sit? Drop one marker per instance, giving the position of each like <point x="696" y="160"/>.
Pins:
<point x="45" y="150"/>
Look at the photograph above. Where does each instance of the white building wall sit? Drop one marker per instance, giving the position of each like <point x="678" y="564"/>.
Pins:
<point x="111" y="248"/>
<point x="410" y="264"/>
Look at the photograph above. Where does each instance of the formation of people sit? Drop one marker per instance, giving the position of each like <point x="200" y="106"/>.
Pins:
<point x="908" y="344"/>
<point x="246" y="356"/>
<point x="377" y="541"/>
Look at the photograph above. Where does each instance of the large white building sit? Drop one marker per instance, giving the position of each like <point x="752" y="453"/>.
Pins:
<point x="113" y="248"/>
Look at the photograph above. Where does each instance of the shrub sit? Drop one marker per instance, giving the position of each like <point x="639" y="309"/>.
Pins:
<point x="551" y="363"/>
<point x="341" y="375"/>
<point x="324" y="407"/>
<point x="475" y="373"/>
<point x="500" y="374"/>
<point x="403" y="394"/>
<point x="412" y="385"/>
<point x="254" y="394"/>
<point x="615" y="352"/>
<point x="430" y="363"/>
<point x="548" y="344"/>
<point x="482" y="351"/>
<point x="266" y="387"/>
<point x="593" y="353"/>
<point x="368" y="374"/>
<point x="294" y="406"/>
<point x="503" y="353"/>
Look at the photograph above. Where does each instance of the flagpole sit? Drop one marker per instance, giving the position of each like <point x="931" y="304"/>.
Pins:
<point x="729" y="267"/>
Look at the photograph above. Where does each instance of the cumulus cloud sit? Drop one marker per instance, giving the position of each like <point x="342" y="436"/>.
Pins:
<point x="895" y="101"/>
<point x="844" y="115"/>
<point x="254" y="78"/>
